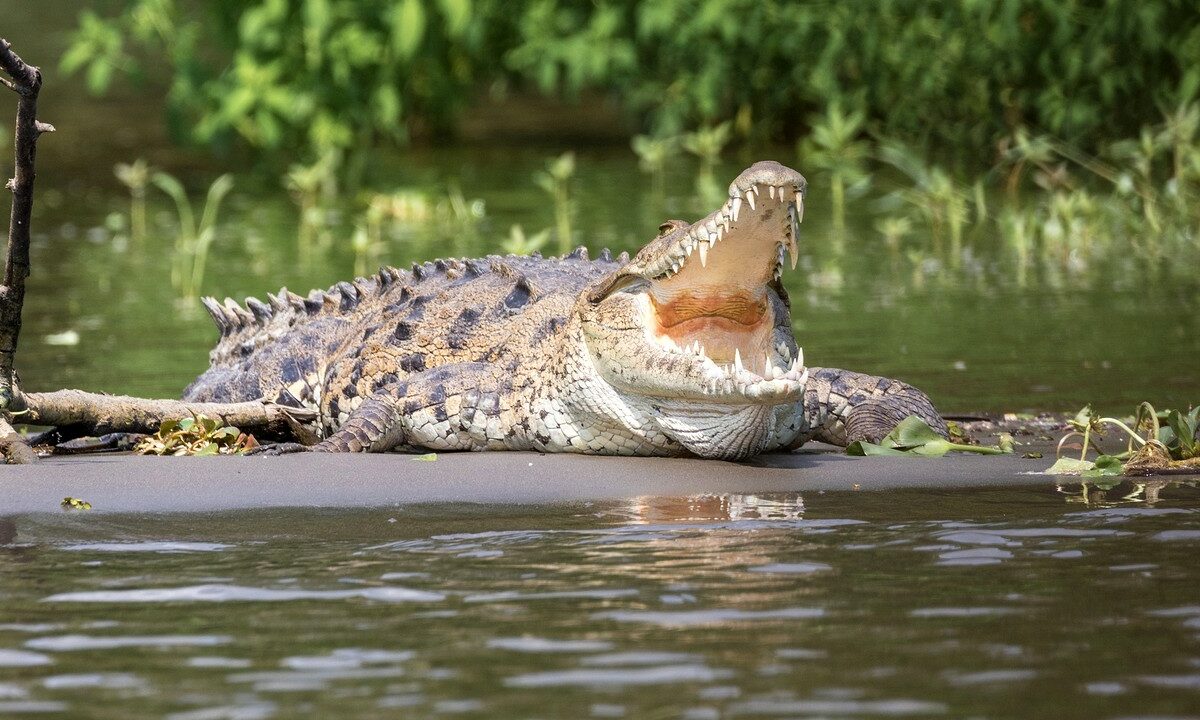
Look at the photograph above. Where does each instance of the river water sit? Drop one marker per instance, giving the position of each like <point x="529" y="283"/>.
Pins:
<point x="989" y="603"/>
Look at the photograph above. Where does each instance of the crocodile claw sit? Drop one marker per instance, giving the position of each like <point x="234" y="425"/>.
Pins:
<point x="275" y="449"/>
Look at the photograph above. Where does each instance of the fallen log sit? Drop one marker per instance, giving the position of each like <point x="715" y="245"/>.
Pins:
<point x="103" y="414"/>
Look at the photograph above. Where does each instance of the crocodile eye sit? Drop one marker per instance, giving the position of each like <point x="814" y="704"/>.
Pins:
<point x="671" y="226"/>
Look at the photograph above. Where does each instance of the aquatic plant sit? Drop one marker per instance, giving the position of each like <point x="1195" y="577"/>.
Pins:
<point x="707" y="144"/>
<point x="653" y="153"/>
<point x="416" y="216"/>
<point x="942" y="203"/>
<point x="913" y="436"/>
<point x="311" y="186"/>
<point x="1158" y="442"/>
<point x="192" y="239"/>
<point x="555" y="180"/>
<point x="73" y="503"/>
<point x="136" y="177"/>
<point x="834" y="146"/>
<point x="518" y="243"/>
<point x="198" y="435"/>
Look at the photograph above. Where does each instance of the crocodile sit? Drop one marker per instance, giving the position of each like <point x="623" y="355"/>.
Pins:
<point x="686" y="348"/>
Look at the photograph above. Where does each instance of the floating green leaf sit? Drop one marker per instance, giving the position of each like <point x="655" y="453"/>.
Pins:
<point x="1070" y="466"/>
<point x="74" y="503"/>
<point x="427" y="457"/>
<point x="914" y="436"/>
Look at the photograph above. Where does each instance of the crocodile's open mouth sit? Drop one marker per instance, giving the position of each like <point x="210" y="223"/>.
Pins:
<point x="716" y="294"/>
<point x="709" y="294"/>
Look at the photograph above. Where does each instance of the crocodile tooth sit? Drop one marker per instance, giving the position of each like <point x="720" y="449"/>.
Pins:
<point x="750" y="196"/>
<point x="736" y="208"/>
<point x="799" y="208"/>
<point x="771" y="191"/>
<point x="295" y="301"/>
<point x="737" y="358"/>
<point x="688" y="249"/>
<point x="712" y="240"/>
<point x="703" y="254"/>
<point x="799" y="356"/>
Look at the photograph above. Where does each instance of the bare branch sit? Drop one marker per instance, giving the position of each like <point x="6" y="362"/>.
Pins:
<point x="119" y="413"/>
<point x="26" y="82"/>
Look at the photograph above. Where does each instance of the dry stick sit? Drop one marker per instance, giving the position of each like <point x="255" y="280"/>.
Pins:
<point x="119" y="413"/>
<point x="26" y="82"/>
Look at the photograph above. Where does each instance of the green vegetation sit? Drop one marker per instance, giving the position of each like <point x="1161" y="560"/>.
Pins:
<point x="73" y="503"/>
<point x="555" y="181"/>
<point x="1158" y="442"/>
<point x="343" y="74"/>
<point x="913" y="437"/>
<point x="199" y="435"/>
<point x="192" y="239"/>
<point x="1083" y="119"/>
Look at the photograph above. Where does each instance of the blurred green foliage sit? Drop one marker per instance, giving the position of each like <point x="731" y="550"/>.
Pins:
<point x="960" y="74"/>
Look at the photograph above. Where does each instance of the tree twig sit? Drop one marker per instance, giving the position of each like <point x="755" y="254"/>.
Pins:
<point x="118" y="413"/>
<point x="26" y="82"/>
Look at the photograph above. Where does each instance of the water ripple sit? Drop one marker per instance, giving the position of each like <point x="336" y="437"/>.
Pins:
<point x="692" y="618"/>
<point x="837" y="707"/>
<point x="148" y="546"/>
<point x="661" y="675"/>
<point x="65" y="643"/>
<point x="22" y="658"/>
<point x="242" y="593"/>
<point x="803" y="568"/>
<point x="948" y="612"/>
<point x="547" y="645"/>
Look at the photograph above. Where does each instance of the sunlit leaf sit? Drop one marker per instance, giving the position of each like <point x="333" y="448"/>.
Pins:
<point x="1070" y="466"/>
<point x="408" y="27"/>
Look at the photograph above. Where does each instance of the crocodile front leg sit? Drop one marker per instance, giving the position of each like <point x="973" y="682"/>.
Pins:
<point x="437" y="408"/>
<point x="841" y="406"/>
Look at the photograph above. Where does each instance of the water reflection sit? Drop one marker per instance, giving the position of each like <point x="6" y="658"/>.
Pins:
<point x="768" y="506"/>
